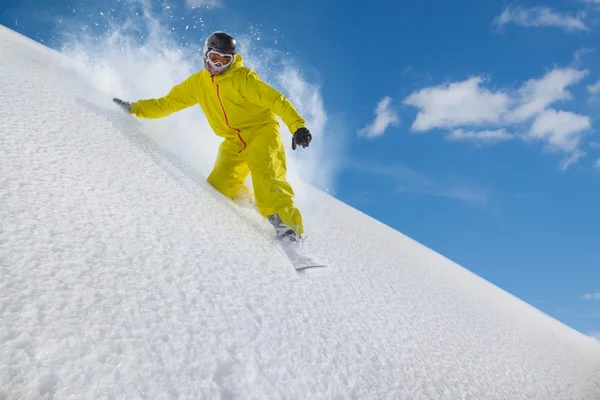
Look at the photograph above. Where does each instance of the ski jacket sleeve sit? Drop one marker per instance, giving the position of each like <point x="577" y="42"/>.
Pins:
<point x="180" y="97"/>
<point x="264" y="95"/>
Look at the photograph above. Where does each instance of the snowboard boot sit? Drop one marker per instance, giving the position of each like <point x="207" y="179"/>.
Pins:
<point x="282" y="231"/>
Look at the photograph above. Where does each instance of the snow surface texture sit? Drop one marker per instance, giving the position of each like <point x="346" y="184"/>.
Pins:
<point x="125" y="275"/>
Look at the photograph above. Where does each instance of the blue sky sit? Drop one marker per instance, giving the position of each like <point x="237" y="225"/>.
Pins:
<point x="469" y="126"/>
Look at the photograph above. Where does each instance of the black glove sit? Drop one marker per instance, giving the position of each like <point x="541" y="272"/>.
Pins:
<point x="124" y="104"/>
<point x="301" y="137"/>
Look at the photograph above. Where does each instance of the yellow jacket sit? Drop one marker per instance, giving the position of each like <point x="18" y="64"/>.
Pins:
<point x="236" y="103"/>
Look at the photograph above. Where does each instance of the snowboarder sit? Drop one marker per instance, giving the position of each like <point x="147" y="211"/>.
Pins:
<point x="242" y="109"/>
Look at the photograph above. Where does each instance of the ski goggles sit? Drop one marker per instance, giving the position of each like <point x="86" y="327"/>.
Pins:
<point x="219" y="59"/>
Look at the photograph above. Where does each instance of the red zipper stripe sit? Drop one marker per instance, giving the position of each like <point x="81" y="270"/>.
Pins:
<point x="227" y="119"/>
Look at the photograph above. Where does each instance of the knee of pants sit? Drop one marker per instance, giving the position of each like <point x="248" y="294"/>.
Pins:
<point x="231" y="188"/>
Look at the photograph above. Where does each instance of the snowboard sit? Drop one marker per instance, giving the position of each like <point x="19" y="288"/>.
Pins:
<point x="299" y="260"/>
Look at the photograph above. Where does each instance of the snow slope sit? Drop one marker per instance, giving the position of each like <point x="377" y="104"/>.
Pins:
<point x="124" y="275"/>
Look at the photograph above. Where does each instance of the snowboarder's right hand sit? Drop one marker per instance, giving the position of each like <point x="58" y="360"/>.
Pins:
<point x="124" y="104"/>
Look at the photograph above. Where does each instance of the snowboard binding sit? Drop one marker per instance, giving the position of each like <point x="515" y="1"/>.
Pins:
<point x="282" y="231"/>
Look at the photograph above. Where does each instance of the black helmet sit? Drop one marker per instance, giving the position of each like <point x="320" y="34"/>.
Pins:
<point x="221" y="42"/>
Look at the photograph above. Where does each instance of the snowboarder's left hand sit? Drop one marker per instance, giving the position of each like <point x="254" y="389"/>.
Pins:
<point x="124" y="104"/>
<point x="301" y="137"/>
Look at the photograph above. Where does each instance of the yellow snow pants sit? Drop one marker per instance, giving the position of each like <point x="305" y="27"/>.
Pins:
<point x="263" y="156"/>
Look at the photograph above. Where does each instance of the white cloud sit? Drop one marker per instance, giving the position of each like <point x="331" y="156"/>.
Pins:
<point x="537" y="94"/>
<point x="561" y="129"/>
<point x="540" y="17"/>
<point x="207" y="3"/>
<point x="597" y="164"/>
<point x="591" y="296"/>
<point x="455" y="104"/>
<point x="580" y="53"/>
<point x="384" y="117"/>
<point x="469" y="103"/>
<point x="484" y="136"/>
<point x="571" y="159"/>
<point x="473" y="113"/>
<point x="595" y="88"/>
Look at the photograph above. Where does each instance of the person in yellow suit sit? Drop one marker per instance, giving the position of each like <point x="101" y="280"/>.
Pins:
<point x="243" y="110"/>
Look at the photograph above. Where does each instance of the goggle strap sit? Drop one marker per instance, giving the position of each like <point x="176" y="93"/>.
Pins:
<point x="224" y="55"/>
